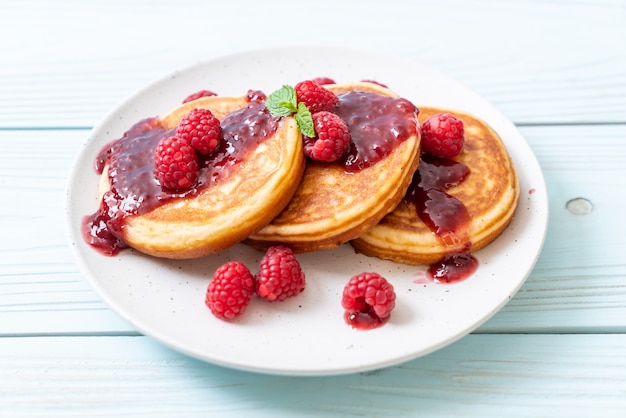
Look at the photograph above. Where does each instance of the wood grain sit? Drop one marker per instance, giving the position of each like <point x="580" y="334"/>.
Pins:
<point x="481" y="375"/>
<point x="70" y="63"/>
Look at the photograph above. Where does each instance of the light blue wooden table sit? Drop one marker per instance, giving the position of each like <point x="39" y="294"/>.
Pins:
<point x="557" y="69"/>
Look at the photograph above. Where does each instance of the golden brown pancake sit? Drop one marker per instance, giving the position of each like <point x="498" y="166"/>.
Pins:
<point x="220" y="106"/>
<point x="238" y="204"/>
<point x="490" y="193"/>
<point x="333" y="206"/>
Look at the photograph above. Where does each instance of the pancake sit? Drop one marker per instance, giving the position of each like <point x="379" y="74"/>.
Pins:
<point x="242" y="193"/>
<point x="220" y="106"/>
<point x="334" y="205"/>
<point x="490" y="194"/>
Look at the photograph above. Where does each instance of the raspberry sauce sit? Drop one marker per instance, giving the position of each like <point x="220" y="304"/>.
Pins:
<point x="364" y="320"/>
<point x="453" y="268"/>
<point x="134" y="188"/>
<point x="444" y="214"/>
<point x="377" y="124"/>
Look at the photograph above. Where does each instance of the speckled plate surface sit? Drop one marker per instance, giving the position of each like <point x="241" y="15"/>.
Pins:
<point x="307" y="335"/>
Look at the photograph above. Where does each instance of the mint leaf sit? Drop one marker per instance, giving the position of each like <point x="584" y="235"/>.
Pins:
<point x="282" y="102"/>
<point x="304" y="120"/>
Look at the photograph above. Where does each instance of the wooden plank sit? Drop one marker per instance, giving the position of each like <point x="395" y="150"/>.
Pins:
<point x="41" y="289"/>
<point x="69" y="63"/>
<point x="480" y="375"/>
<point x="577" y="285"/>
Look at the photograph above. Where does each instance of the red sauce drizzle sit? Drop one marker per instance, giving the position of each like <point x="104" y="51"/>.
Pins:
<point x="377" y="124"/>
<point x="444" y="214"/>
<point x="453" y="268"/>
<point x="134" y="189"/>
<point x="365" y="319"/>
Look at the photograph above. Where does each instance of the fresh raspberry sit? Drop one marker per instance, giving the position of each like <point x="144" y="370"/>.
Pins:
<point x="201" y="129"/>
<point x="230" y="290"/>
<point x="369" y="293"/>
<point x="323" y="81"/>
<point x="315" y="97"/>
<point x="199" y="94"/>
<point x="443" y="135"/>
<point x="332" y="140"/>
<point x="280" y="275"/>
<point x="256" y="96"/>
<point x="175" y="164"/>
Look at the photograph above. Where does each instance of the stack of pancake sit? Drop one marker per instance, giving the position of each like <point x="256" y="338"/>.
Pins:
<point x="233" y="207"/>
<point x="279" y="197"/>
<point x="490" y="194"/>
<point x="332" y="205"/>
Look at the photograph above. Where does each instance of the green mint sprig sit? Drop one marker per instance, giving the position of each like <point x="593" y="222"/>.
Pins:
<point x="283" y="102"/>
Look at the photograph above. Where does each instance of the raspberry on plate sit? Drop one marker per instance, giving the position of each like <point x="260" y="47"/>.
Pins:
<point x="332" y="140"/>
<point x="256" y="96"/>
<point x="443" y="135"/>
<point x="368" y="299"/>
<point x="201" y="129"/>
<point x="315" y="97"/>
<point x="198" y="94"/>
<point x="230" y="291"/>
<point x="280" y="275"/>
<point x="176" y="164"/>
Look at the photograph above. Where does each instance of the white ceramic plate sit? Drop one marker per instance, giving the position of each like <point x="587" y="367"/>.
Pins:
<point x="307" y="335"/>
